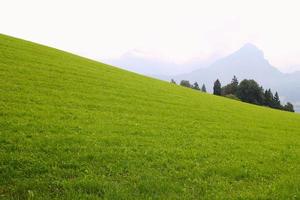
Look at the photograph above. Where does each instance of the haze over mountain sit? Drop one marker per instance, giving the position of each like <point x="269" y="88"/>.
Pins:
<point x="249" y="63"/>
<point x="246" y="63"/>
<point x="148" y="64"/>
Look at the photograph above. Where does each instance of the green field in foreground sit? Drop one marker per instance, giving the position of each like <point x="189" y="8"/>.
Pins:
<point x="73" y="128"/>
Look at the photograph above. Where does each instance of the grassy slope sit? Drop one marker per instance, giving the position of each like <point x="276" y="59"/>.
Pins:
<point x="75" y="128"/>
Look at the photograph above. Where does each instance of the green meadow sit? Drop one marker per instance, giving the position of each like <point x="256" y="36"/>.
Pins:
<point x="74" y="128"/>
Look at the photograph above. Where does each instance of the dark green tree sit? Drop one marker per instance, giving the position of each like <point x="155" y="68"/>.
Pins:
<point x="262" y="95"/>
<point x="249" y="91"/>
<point x="234" y="84"/>
<point x="203" y="88"/>
<point x="289" y="107"/>
<point x="185" y="83"/>
<point x="268" y="98"/>
<point x="196" y="86"/>
<point x="231" y="88"/>
<point x="217" y="88"/>
<point x="276" y="101"/>
<point x="226" y="90"/>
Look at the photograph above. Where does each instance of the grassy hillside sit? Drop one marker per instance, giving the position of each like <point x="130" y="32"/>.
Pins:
<point x="73" y="128"/>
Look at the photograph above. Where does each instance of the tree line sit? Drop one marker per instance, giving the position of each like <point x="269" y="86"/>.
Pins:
<point x="251" y="92"/>
<point x="248" y="90"/>
<point x="187" y="84"/>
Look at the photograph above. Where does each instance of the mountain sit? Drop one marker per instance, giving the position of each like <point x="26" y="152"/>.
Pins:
<point x="74" y="128"/>
<point x="249" y="63"/>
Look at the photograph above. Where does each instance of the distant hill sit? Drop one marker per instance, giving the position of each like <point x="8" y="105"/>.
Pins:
<point x="249" y="62"/>
<point x="74" y="128"/>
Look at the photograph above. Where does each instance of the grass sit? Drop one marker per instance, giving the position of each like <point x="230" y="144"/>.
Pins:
<point x="73" y="128"/>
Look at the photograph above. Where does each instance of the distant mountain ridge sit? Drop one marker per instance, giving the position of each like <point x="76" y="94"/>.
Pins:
<point x="249" y="63"/>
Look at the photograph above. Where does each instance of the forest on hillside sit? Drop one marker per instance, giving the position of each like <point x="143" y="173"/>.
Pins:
<point x="248" y="90"/>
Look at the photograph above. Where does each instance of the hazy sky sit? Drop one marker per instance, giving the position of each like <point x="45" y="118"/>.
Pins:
<point x="169" y="30"/>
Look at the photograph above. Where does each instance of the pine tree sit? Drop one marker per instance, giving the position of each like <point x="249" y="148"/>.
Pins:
<point x="235" y="80"/>
<point x="231" y="88"/>
<point x="217" y="88"/>
<point x="203" y="88"/>
<point x="276" y="101"/>
<point x="234" y="85"/>
<point x="268" y="98"/>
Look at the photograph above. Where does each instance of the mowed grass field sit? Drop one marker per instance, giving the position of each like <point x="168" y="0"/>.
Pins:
<point x="73" y="128"/>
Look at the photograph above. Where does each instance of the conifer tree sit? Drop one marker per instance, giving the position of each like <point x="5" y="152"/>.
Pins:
<point x="268" y="98"/>
<point x="276" y="101"/>
<point x="203" y="88"/>
<point x="217" y="88"/>
<point x="234" y="85"/>
<point x="231" y="88"/>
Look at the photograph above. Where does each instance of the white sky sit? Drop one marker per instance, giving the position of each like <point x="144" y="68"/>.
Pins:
<point x="173" y="30"/>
